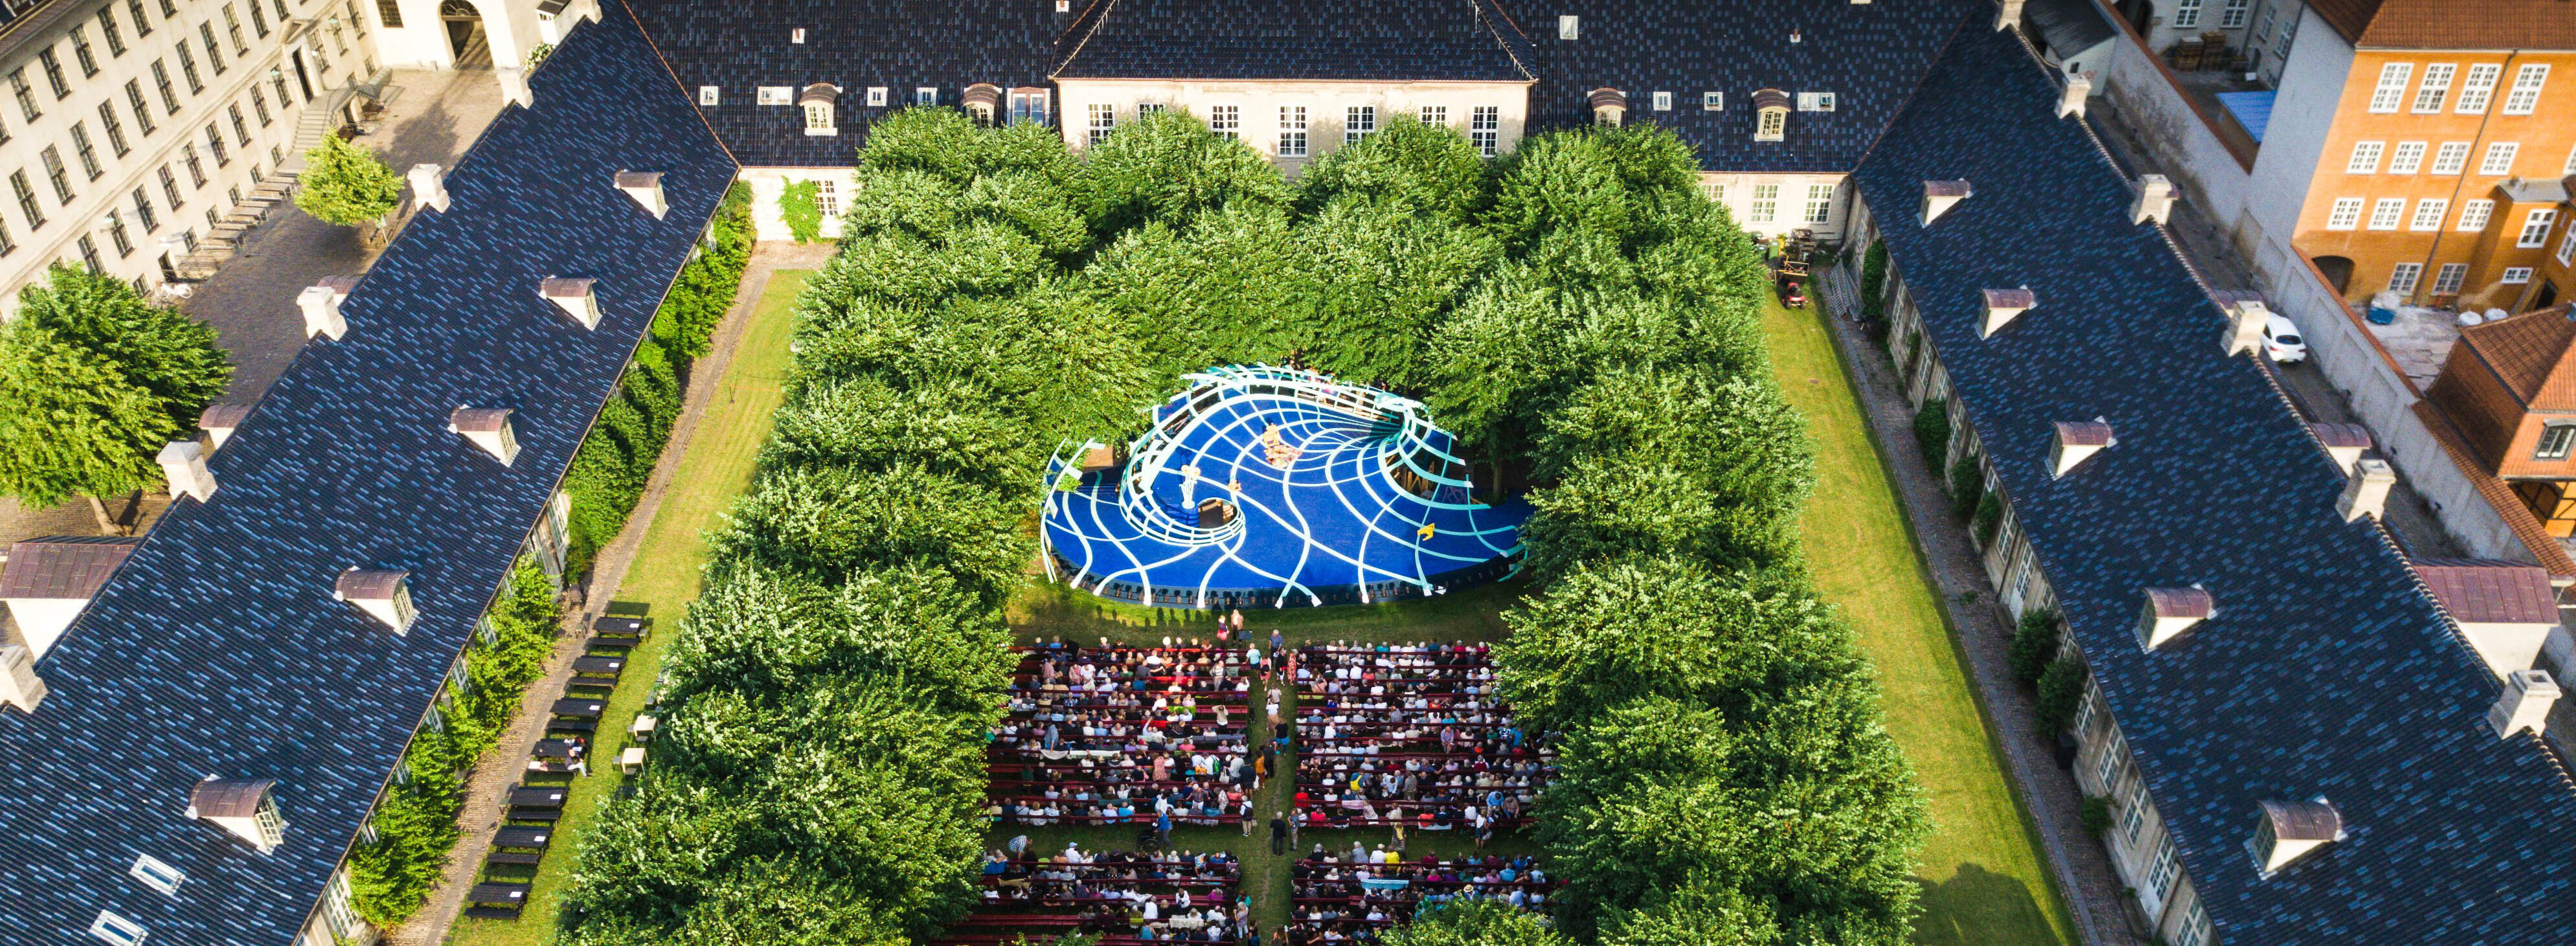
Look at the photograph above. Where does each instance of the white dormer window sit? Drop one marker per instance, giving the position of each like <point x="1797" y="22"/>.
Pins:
<point x="1569" y="27"/>
<point x="877" y="96"/>
<point x="1663" y="101"/>
<point x="112" y="928"/>
<point x="709" y="96"/>
<point x="1712" y="101"/>
<point x="925" y="96"/>
<point x="1774" y="126"/>
<point x="818" y="118"/>
<point x="798" y="36"/>
<point x="1815" y="101"/>
<point x="771" y="95"/>
<point x="157" y="875"/>
<point x="383" y="594"/>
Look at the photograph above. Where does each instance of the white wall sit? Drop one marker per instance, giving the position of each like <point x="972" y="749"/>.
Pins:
<point x="1326" y="104"/>
<point x="768" y="184"/>
<point x="2303" y="114"/>
<point x="511" y="26"/>
<point x="1741" y="193"/>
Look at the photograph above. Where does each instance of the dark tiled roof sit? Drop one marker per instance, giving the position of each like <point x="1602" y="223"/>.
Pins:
<point x="2327" y="669"/>
<point x="218" y="650"/>
<point x="1871" y="56"/>
<point x="1349" y="40"/>
<point x="2480" y="591"/>
<point x="898" y="44"/>
<point x="62" y="566"/>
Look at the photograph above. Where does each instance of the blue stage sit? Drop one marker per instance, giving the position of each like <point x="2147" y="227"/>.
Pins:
<point x="1275" y="487"/>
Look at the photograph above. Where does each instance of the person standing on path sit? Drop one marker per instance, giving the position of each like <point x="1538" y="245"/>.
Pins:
<point x="1163" y="829"/>
<point x="1278" y="836"/>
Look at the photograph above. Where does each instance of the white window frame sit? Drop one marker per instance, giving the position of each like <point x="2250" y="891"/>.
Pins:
<point x="1358" y="122"/>
<point x="710" y="96"/>
<point x="2403" y="278"/>
<point x="1226" y="121"/>
<point x="774" y="95"/>
<point x="2346" y="214"/>
<point x="1569" y="27"/>
<point x="2570" y="167"/>
<point x="1716" y="102"/>
<point x="925" y="96"/>
<point x="1434" y="115"/>
<point x="2195" y="926"/>
<point x="1292" y="131"/>
<point x="2435" y="87"/>
<point x="827" y="197"/>
<point x="2478" y="87"/>
<point x="2391" y="92"/>
<point x="116" y="929"/>
<point x="1815" y="101"/>
<point x="2515" y="276"/>
<point x="2447" y="280"/>
<point x="2186" y="13"/>
<point x="1766" y="204"/>
<point x="2566" y="255"/>
<point x="1101" y="119"/>
<point x="2474" y="214"/>
<point x="2451" y="158"/>
<point x="2498" y="161"/>
<point x="1663" y="101"/>
<point x="2161" y="871"/>
<point x="157" y="874"/>
<point x="879" y="95"/>
<point x="2106" y="766"/>
<point x="2387" y="212"/>
<point x="1773" y="125"/>
<point x="2365" y="157"/>
<point x="1714" y="191"/>
<point x="2406" y="158"/>
<point x="337" y="912"/>
<point x="2133" y="816"/>
<point x="1149" y="108"/>
<point x="2232" y="16"/>
<point x="1485" y="129"/>
<point x="2535" y="228"/>
<point x="2527" y="83"/>
<point x="2429" y="212"/>
<point x="818" y="119"/>
<point x="1820" y="203"/>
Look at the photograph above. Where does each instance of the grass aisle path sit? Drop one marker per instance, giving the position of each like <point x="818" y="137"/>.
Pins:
<point x="1985" y="879"/>
<point x="717" y="466"/>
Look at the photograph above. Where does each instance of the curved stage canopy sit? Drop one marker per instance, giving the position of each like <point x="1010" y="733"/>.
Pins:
<point x="1262" y="486"/>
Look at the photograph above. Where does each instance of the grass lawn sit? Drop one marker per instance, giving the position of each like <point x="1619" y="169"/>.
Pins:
<point x="664" y="577"/>
<point x="1985" y="879"/>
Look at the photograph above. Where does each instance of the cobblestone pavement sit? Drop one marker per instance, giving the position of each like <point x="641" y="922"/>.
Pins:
<point x="2049" y="793"/>
<point x="499" y="769"/>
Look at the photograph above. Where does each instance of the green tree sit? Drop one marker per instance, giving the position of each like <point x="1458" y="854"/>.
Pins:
<point x="1168" y="167"/>
<point x="800" y="205"/>
<point x="1474" y="923"/>
<point x="157" y="348"/>
<point x="346" y="185"/>
<point x="71" y="422"/>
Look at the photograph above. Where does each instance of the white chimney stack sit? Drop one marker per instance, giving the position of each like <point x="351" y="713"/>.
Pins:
<point x="1940" y="196"/>
<point x="2078" y="88"/>
<point x="19" y="684"/>
<point x="384" y="595"/>
<point x="2344" y="443"/>
<point x="2078" y="441"/>
<point x="646" y="188"/>
<point x="2171" y="611"/>
<point x="429" y="186"/>
<point x="219" y="421"/>
<point x="488" y="428"/>
<point x="2155" y="200"/>
<point x="2004" y="305"/>
<point x="514" y="86"/>
<point x="2245" y="320"/>
<point x="321" y="305"/>
<point x="574" y="297"/>
<point x="2365" y="491"/>
<point x="183" y="463"/>
<point x="2010" y="16"/>
<point x="2525" y="704"/>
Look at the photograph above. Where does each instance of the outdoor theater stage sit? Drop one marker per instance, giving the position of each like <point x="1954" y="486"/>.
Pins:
<point x="1275" y="487"/>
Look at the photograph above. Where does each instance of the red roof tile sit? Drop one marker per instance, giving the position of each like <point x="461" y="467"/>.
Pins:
<point x="2487" y="592"/>
<point x="62" y="567"/>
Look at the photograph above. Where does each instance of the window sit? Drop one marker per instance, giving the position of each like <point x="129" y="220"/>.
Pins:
<point x="2160" y="877"/>
<point x="143" y="208"/>
<point x="1485" y="129"/>
<point x="2473" y="213"/>
<point x="142" y="25"/>
<point x="1435" y="114"/>
<point x="1815" y="101"/>
<point x="81" y="52"/>
<point x="170" y="186"/>
<point x="2499" y="159"/>
<point x="1766" y="204"/>
<point x="1357" y="122"/>
<point x="2107" y="766"/>
<point x="2392" y="87"/>
<point x="1148" y="108"/>
<point x="107" y="28"/>
<point x="710" y="96"/>
<point x="390" y="11"/>
<point x="1226" y="121"/>
<point x="2289" y="30"/>
<point x="54" y="72"/>
<point x="2570" y="167"/>
<point x="2402" y="277"/>
<point x="2478" y="87"/>
<point x="2515" y="275"/>
<point x="2429" y="213"/>
<point x="1292" y="131"/>
<point x="62" y="182"/>
<point x="925" y="96"/>
<point x="241" y="129"/>
<point x="115" y="130"/>
<point x="188" y="67"/>
<point x="258" y="20"/>
<point x="1104" y="118"/>
<point x="2195" y="927"/>
<point x="116" y="234"/>
<point x="781" y="95"/>
<point x="2133" y="817"/>
<point x="818" y="118"/>
<point x="2346" y="215"/>
<point x="214" y="53"/>
<point x="1568" y="27"/>
<point x="336" y="912"/>
<point x="232" y="27"/>
<point x="8" y="245"/>
<point x="26" y="94"/>
<point x="278" y="78"/>
<point x="259" y="103"/>
<point x="89" y="254"/>
<point x="161" y="80"/>
<point x="1820" y="203"/>
<point x="2567" y="247"/>
<point x="2452" y="158"/>
<point x="215" y="140"/>
<point x="142" y="112"/>
<point x="157" y="875"/>
<point x="1714" y="191"/>
<point x="27" y="199"/>
<point x="117" y="929"/>
<point x="196" y="167"/>
<point x="2186" y="13"/>
<point x="1712" y="101"/>
<point x="2365" y="157"/>
<point x="827" y="196"/>
<point x="2407" y="159"/>
<point x="2447" y="279"/>
<point x="2555" y="442"/>
<point x="2535" y="227"/>
<point x="88" y="154"/>
<point x="2526" y="88"/>
<point x="1773" y="125"/>
<point x="2436" y="87"/>
<point x="2232" y="16"/>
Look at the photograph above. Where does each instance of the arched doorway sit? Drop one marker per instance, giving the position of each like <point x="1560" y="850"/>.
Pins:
<point x="2337" y="270"/>
<point x="465" y="36"/>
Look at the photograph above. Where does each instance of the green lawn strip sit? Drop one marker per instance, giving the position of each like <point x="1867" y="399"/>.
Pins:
<point x="1985" y="878"/>
<point x="664" y="576"/>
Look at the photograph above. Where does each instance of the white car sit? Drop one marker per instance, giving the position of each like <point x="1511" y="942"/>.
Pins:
<point x="2281" y="341"/>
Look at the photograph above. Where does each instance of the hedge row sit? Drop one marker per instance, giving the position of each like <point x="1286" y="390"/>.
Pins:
<point x="414" y="825"/>
<point x="609" y="469"/>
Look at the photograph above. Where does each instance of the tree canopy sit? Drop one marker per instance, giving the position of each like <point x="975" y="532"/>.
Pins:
<point x="346" y="185"/>
<point x="94" y="381"/>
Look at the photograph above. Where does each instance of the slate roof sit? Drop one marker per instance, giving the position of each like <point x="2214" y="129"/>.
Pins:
<point x="62" y="566"/>
<point x="1348" y="40"/>
<point x="898" y="44"/>
<point x="1871" y="56"/>
<point x="2327" y="669"/>
<point x="217" y="649"/>
<point x="2531" y="354"/>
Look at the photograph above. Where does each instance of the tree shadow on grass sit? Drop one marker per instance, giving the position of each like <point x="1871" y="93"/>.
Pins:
<point x="1978" y="907"/>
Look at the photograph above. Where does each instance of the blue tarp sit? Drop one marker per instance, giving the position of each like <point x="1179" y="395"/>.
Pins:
<point x="2252" y="110"/>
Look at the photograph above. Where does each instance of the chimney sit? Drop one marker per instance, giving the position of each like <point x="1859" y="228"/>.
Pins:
<point x="2004" y="305"/>
<point x="2344" y="443"/>
<point x="321" y="305"/>
<point x="2525" y="704"/>
<point x="245" y="807"/>
<point x="2290" y="830"/>
<point x="384" y="595"/>
<point x="183" y="463"/>
<point x="50" y="580"/>
<point x="1940" y="196"/>
<point x="488" y="428"/>
<point x="646" y="188"/>
<point x="19" y="685"/>
<point x="574" y="297"/>
<point x="2155" y="200"/>
<point x="219" y="421"/>
<point x="2078" y="88"/>
<point x="2010" y="16"/>
<point x="428" y="186"/>
<point x="2245" y="320"/>
<point x="2171" y="611"/>
<point x="2365" y="490"/>
<point x="2078" y="441"/>
<point x="514" y="86"/>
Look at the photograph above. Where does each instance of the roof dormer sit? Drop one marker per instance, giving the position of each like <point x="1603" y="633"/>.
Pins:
<point x="2077" y="441"/>
<point x="488" y="428"/>
<point x="245" y="807"/>
<point x="574" y="297"/>
<point x="1609" y="107"/>
<point x="1940" y="196"/>
<point x="983" y="100"/>
<point x="2171" y="611"/>
<point x="2291" y="830"/>
<point x="385" y="595"/>
<point x="646" y="188"/>
<point x="1770" y="115"/>
<point x="2005" y="305"/>
<point x="818" y="101"/>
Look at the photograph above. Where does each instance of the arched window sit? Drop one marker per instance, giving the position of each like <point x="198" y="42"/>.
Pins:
<point x="983" y="101"/>
<point x="817" y="102"/>
<point x="1771" y="115"/>
<point x="1609" y="107"/>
